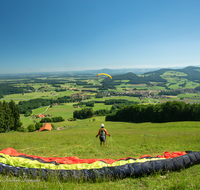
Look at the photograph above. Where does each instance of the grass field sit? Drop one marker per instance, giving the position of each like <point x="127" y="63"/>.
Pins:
<point x="117" y="97"/>
<point x="188" y="98"/>
<point x="65" y="111"/>
<point x="34" y="95"/>
<point x="40" y="110"/>
<point x="127" y="139"/>
<point x="173" y="73"/>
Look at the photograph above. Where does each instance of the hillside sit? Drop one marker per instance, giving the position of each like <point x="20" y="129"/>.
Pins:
<point x="132" y="79"/>
<point x="127" y="140"/>
<point x="185" y="78"/>
<point x="190" y="73"/>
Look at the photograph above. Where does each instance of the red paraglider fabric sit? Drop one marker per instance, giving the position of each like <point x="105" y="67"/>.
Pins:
<point x="76" y="160"/>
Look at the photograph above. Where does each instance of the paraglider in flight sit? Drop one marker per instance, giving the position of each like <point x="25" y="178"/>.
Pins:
<point x="17" y="164"/>
<point x="104" y="74"/>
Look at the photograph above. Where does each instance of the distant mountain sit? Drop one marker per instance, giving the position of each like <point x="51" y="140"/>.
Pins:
<point x="138" y="71"/>
<point x="115" y="71"/>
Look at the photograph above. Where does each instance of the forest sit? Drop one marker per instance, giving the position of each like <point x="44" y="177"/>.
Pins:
<point x="8" y="88"/>
<point x="165" y="112"/>
<point x="25" y="107"/>
<point x="133" y="79"/>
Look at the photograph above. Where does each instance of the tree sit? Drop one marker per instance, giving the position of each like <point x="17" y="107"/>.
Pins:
<point x="15" y="114"/>
<point x="83" y="114"/>
<point x="28" y="113"/>
<point x="38" y="126"/>
<point x="2" y="119"/>
<point x="9" y="120"/>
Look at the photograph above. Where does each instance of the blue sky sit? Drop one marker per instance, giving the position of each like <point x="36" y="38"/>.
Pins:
<point x="65" y="35"/>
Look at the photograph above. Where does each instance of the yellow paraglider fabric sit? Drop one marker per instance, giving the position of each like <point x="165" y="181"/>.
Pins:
<point x="27" y="163"/>
<point x="104" y="74"/>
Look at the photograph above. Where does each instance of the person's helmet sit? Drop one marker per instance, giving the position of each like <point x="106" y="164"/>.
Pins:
<point x="102" y="125"/>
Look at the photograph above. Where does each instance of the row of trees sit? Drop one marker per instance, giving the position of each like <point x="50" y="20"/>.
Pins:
<point x="171" y="92"/>
<point x="9" y="117"/>
<point x="81" y="104"/>
<point x="83" y="114"/>
<point x="88" y="113"/>
<point x="60" y="89"/>
<point x="27" y="106"/>
<point x="166" y="112"/>
<point x="118" y="101"/>
<point x="53" y="119"/>
<point x="7" y="88"/>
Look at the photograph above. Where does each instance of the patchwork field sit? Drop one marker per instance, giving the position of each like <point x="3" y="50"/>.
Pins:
<point x="65" y="111"/>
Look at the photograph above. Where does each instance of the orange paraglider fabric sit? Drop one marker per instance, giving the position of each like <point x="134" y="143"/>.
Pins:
<point x="76" y="160"/>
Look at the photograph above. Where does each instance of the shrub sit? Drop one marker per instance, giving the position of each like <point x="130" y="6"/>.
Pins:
<point x="72" y="119"/>
<point x="31" y="128"/>
<point x="25" y="130"/>
<point x="38" y="126"/>
<point x="20" y="129"/>
<point x="53" y="126"/>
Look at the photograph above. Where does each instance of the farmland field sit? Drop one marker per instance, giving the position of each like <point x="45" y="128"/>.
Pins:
<point x="64" y="110"/>
<point x="117" y="97"/>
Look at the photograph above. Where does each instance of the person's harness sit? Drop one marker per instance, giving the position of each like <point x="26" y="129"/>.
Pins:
<point x="102" y="133"/>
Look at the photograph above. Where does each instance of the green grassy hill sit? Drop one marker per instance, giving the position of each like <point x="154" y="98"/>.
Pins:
<point x="188" y="74"/>
<point x="127" y="140"/>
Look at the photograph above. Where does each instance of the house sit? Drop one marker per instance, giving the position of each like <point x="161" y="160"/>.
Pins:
<point x="40" y="115"/>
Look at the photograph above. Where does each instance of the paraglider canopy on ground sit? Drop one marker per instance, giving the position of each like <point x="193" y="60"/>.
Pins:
<point x="19" y="164"/>
<point x="46" y="127"/>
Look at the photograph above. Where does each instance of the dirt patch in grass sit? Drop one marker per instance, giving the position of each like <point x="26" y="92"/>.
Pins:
<point x="62" y="128"/>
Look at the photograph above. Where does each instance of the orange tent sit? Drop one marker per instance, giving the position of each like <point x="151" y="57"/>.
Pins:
<point x="46" y="127"/>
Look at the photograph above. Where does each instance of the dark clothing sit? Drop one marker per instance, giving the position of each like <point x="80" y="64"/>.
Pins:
<point x="102" y="138"/>
<point x="102" y="134"/>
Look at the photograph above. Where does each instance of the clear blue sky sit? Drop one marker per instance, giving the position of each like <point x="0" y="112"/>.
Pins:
<point x="64" y="35"/>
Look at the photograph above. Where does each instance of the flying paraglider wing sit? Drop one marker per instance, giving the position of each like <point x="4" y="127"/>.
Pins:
<point x="19" y="163"/>
<point x="104" y="74"/>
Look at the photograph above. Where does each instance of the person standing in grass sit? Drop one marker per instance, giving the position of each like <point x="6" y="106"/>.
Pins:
<point x="102" y="134"/>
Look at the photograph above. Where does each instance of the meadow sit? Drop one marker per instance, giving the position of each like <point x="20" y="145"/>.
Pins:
<point x="65" y="110"/>
<point x="127" y="140"/>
